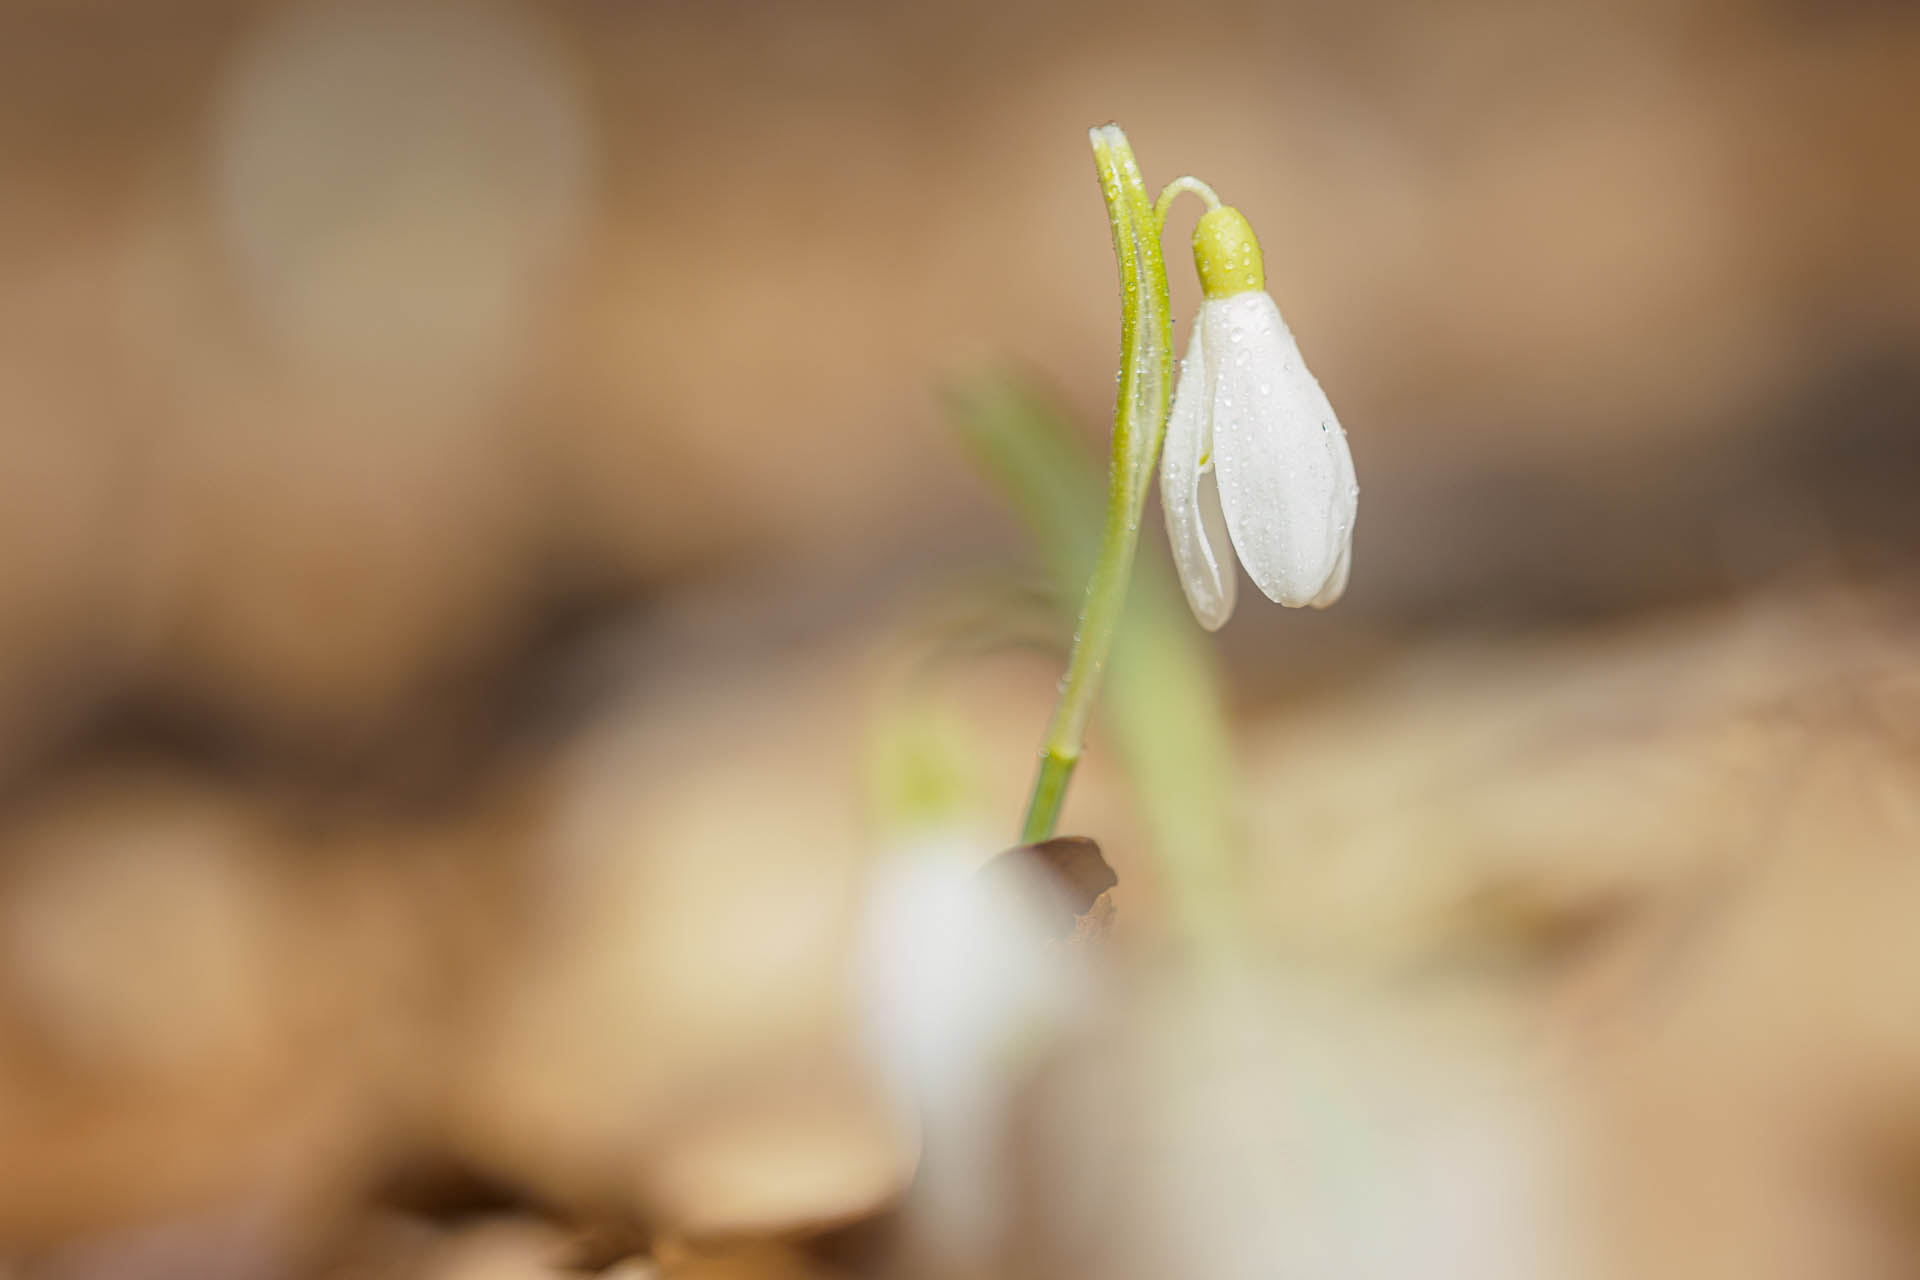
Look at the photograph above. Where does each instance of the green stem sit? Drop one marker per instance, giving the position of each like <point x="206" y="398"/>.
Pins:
<point x="1139" y="421"/>
<point x="1174" y="190"/>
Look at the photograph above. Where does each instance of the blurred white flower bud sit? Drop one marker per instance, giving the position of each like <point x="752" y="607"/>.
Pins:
<point x="960" y="982"/>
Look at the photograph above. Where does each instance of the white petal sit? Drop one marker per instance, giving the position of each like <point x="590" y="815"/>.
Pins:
<point x="1337" y="584"/>
<point x="1286" y="477"/>
<point x="1190" y="497"/>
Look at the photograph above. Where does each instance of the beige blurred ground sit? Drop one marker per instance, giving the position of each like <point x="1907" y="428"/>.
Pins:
<point x="466" y="469"/>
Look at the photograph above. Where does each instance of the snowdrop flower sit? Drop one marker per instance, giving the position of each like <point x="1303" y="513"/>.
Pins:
<point x="959" y="982"/>
<point x="1253" y="452"/>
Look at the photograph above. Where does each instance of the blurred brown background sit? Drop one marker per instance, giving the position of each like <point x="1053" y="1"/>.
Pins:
<point x="450" y="454"/>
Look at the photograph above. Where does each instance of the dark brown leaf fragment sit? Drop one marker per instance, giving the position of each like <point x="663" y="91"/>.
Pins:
<point x="1075" y="867"/>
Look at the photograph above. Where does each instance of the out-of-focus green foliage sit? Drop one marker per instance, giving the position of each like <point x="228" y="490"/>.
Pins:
<point x="1162" y="705"/>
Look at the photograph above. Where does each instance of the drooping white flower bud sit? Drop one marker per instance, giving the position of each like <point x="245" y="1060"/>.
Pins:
<point x="1255" y="462"/>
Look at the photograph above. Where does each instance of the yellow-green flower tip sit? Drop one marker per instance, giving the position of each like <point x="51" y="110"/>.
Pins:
<point x="1227" y="254"/>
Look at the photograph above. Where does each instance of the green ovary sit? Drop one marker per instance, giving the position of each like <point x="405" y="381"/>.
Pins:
<point x="1226" y="253"/>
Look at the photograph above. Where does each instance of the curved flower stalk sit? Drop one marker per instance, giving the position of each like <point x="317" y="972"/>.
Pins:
<point x="1256" y="463"/>
<point x="1139" y="419"/>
